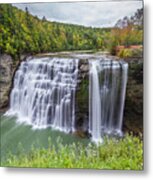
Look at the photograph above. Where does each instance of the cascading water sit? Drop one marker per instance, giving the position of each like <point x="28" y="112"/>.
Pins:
<point x="94" y="103"/>
<point x="43" y="93"/>
<point x="107" y="81"/>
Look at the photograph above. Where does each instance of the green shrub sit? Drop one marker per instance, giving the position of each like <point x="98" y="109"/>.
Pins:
<point x="127" y="53"/>
<point x="125" y="153"/>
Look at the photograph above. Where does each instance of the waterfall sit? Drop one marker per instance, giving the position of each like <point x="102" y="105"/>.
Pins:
<point x="95" y="103"/>
<point x="43" y="93"/>
<point x="107" y="88"/>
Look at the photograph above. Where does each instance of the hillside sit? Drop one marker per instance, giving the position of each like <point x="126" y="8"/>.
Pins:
<point x="23" y="33"/>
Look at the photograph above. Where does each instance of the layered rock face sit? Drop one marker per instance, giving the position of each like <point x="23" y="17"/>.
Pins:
<point x="8" y="67"/>
<point x="82" y="96"/>
<point x="133" y="112"/>
<point x="6" y="73"/>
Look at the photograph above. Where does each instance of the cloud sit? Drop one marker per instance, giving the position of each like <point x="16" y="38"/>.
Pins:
<point x="96" y="14"/>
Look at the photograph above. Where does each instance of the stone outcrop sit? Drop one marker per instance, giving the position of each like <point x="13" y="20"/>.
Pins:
<point x="82" y="96"/>
<point x="8" y="66"/>
<point x="6" y="73"/>
<point x="133" y="112"/>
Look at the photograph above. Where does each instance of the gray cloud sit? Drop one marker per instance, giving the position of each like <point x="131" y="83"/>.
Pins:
<point x="96" y="14"/>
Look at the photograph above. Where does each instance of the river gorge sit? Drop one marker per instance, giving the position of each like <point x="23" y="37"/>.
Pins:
<point x="68" y="92"/>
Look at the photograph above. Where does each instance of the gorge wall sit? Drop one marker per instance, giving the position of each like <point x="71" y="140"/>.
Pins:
<point x="133" y="112"/>
<point x="8" y="67"/>
<point x="82" y="96"/>
<point x="6" y="74"/>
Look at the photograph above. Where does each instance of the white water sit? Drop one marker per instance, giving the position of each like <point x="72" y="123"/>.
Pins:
<point x="43" y="93"/>
<point x="106" y="97"/>
<point x="95" y="103"/>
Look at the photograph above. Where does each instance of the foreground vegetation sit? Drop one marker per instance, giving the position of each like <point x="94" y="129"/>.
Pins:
<point x="125" y="153"/>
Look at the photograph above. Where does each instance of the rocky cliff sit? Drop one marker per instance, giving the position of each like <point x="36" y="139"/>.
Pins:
<point x="82" y="96"/>
<point x="6" y="73"/>
<point x="133" y="112"/>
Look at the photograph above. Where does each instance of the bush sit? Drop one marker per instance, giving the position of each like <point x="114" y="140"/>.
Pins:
<point x="127" y="53"/>
<point x="125" y="153"/>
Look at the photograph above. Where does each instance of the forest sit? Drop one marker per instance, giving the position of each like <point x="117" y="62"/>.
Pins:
<point x="22" y="33"/>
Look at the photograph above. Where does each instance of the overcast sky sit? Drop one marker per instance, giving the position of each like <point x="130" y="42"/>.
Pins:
<point x="95" y="14"/>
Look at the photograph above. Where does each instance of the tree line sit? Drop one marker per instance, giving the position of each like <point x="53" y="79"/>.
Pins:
<point x="21" y="32"/>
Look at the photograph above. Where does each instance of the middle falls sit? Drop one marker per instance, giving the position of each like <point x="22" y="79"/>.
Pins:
<point x="44" y="94"/>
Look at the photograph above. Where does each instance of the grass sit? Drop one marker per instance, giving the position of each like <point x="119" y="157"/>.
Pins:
<point x="123" y="154"/>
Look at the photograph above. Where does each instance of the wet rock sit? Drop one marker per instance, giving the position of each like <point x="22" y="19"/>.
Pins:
<point x="84" y="68"/>
<point x="82" y="96"/>
<point x="133" y="112"/>
<point x="81" y="134"/>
